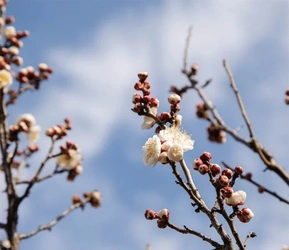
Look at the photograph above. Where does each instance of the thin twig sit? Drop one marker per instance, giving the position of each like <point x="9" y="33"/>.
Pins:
<point x="239" y="99"/>
<point x="186" y="52"/>
<point x="35" y="177"/>
<point x="187" y="230"/>
<point x="2" y="225"/>
<point x="48" y="176"/>
<point x="55" y="221"/>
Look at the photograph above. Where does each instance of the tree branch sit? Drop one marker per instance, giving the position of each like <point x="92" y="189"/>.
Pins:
<point x="56" y="220"/>
<point x="187" y="230"/>
<point x="35" y="177"/>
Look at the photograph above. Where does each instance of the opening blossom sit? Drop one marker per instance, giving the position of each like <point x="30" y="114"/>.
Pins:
<point x="237" y="198"/>
<point x="33" y="134"/>
<point x="152" y="150"/>
<point x="5" y="78"/>
<point x="70" y="159"/>
<point x="176" y="142"/>
<point x="148" y="122"/>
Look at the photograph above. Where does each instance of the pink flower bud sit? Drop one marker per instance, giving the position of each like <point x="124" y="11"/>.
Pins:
<point x="154" y="102"/>
<point x="203" y="169"/>
<point x="76" y="199"/>
<point x="146" y="99"/>
<point x="215" y="169"/>
<point x="95" y="199"/>
<point x="147" y="85"/>
<point x="164" y="116"/>
<point x="163" y="214"/>
<point x="161" y="223"/>
<point x="227" y="192"/>
<point x="206" y="157"/>
<point x="137" y="107"/>
<point x="238" y="170"/>
<point x="174" y="99"/>
<point x="138" y="86"/>
<point x="237" y="198"/>
<point x="197" y="162"/>
<point x="150" y="214"/>
<point x="223" y="180"/>
<point x="245" y="215"/>
<point x="228" y="172"/>
<point x="146" y="92"/>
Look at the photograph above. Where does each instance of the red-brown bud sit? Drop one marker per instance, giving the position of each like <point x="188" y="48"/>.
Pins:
<point x="215" y="169"/>
<point x="150" y="214"/>
<point x="76" y="199"/>
<point x="223" y="180"/>
<point x="206" y="157"/>
<point x="228" y="172"/>
<point x="238" y="170"/>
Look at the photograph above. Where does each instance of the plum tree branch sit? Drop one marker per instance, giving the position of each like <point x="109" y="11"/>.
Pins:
<point x="52" y="223"/>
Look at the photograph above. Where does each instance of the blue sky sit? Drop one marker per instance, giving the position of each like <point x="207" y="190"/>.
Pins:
<point x="97" y="48"/>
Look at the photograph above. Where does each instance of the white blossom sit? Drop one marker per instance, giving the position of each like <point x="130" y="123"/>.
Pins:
<point x="237" y="198"/>
<point x="174" y="135"/>
<point x="69" y="160"/>
<point x="28" y="119"/>
<point x="152" y="150"/>
<point x="148" y="121"/>
<point x="178" y="121"/>
<point x="5" y="78"/>
<point x="33" y="133"/>
<point x="175" y="153"/>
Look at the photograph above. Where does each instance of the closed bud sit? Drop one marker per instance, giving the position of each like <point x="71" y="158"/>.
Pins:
<point x="215" y="169"/>
<point x="203" y="169"/>
<point x="150" y="214"/>
<point x="206" y="157"/>
<point x="161" y="224"/>
<point x="136" y="98"/>
<point x="238" y="170"/>
<point x="197" y="162"/>
<point x="138" y="86"/>
<point x="245" y="215"/>
<point x="228" y="172"/>
<point x="223" y="180"/>
<point x="76" y="199"/>
<point x="227" y="192"/>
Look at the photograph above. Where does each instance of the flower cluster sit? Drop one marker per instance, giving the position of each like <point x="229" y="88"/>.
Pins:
<point x="70" y="157"/>
<point x="59" y="131"/>
<point x="223" y="180"/>
<point x="94" y="198"/>
<point x="171" y="142"/>
<point x="162" y="217"/>
<point x="169" y="145"/>
<point x="26" y="124"/>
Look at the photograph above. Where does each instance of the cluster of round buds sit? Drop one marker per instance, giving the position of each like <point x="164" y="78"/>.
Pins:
<point x="30" y="75"/>
<point x="287" y="97"/>
<point x="202" y="111"/>
<point x="216" y="135"/>
<point x="145" y="103"/>
<point x="59" y="131"/>
<point x="95" y="198"/>
<point x="70" y="159"/>
<point x="162" y="217"/>
<point x="223" y="181"/>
